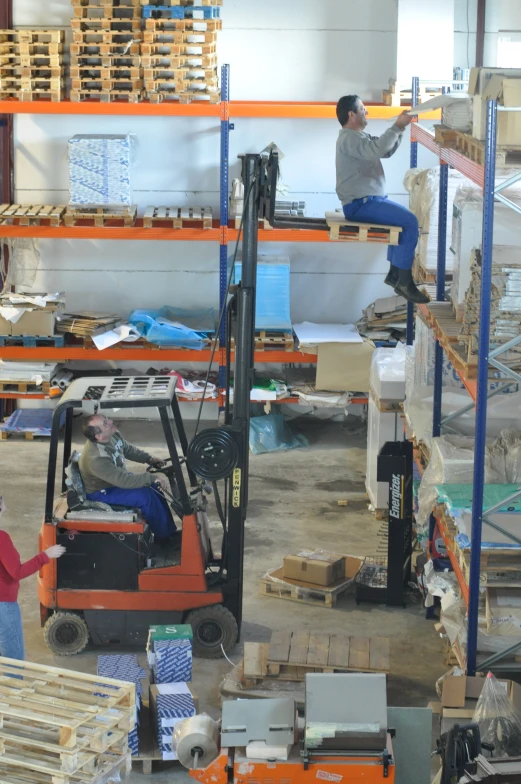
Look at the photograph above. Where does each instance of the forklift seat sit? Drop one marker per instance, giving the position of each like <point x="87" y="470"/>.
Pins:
<point x="76" y="495"/>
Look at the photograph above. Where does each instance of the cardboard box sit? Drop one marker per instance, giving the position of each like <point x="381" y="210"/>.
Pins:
<point x="319" y="568"/>
<point x="459" y="698"/>
<point x="504" y="84"/>
<point x="170" y="703"/>
<point x="39" y="322"/>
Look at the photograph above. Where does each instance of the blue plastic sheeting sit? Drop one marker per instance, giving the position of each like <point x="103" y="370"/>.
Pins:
<point x="271" y="433"/>
<point x="168" y="326"/>
<point x="272" y="309"/>
<point x="30" y="420"/>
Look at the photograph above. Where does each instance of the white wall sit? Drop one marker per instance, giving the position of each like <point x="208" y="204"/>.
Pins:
<point x="501" y="15"/>
<point x="295" y="50"/>
<point x="425" y="40"/>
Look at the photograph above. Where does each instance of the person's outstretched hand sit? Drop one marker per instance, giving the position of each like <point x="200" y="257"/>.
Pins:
<point x="403" y="120"/>
<point x="56" y="551"/>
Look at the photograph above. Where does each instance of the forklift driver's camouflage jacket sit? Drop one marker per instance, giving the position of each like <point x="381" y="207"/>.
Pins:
<point x="103" y="465"/>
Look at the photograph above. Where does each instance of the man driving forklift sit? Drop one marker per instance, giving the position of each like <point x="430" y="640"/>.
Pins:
<point x="106" y="479"/>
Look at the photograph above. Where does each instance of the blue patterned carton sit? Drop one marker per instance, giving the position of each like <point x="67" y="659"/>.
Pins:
<point x="99" y="169"/>
<point x="169" y="704"/>
<point x="125" y="667"/>
<point x="173" y="661"/>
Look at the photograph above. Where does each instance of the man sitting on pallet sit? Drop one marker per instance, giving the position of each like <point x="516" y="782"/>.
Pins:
<point x="102" y="468"/>
<point x="361" y="188"/>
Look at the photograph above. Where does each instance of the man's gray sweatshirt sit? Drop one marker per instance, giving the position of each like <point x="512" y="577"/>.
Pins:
<point x="103" y="465"/>
<point x="359" y="172"/>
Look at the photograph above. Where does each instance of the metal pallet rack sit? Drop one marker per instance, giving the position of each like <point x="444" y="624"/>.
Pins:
<point x="485" y="177"/>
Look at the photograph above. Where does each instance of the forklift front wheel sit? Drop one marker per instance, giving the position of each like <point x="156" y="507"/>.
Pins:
<point x="66" y="634"/>
<point x="214" y="629"/>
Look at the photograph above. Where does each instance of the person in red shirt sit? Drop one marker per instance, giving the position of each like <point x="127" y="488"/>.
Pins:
<point x="12" y="570"/>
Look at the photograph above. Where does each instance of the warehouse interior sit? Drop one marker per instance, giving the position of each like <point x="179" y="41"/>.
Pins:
<point x="260" y="500"/>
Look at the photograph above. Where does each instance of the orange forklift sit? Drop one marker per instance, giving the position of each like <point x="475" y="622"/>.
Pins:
<point x="110" y="586"/>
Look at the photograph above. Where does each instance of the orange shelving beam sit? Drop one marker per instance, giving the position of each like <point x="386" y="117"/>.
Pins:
<point x="454" y="561"/>
<point x="254" y="109"/>
<point x="133" y="354"/>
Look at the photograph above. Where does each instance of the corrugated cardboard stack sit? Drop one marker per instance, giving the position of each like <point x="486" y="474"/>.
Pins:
<point x="169" y="651"/>
<point x="505" y="303"/>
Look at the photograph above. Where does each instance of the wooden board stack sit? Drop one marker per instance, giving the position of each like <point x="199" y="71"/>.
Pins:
<point x="179" y="50"/>
<point x="31" y="64"/>
<point x="505" y="304"/>
<point x="62" y="727"/>
<point x="105" y="63"/>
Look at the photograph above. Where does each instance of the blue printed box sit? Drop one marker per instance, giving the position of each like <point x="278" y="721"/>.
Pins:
<point x="173" y="661"/>
<point x="99" y="169"/>
<point x="170" y="703"/>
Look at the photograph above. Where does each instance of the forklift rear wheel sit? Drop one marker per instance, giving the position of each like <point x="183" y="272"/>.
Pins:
<point x="66" y="634"/>
<point x="213" y="627"/>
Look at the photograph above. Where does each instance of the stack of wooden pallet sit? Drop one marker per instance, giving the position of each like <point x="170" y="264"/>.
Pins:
<point x="105" y="64"/>
<point x="62" y="727"/>
<point x="179" y="50"/>
<point x="31" y="64"/>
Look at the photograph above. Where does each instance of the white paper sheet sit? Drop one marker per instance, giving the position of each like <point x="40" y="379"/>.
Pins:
<point x="438" y="102"/>
<point x="113" y="336"/>
<point x="310" y="334"/>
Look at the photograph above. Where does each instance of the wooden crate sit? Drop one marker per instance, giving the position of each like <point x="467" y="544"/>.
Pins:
<point x="100" y="216"/>
<point x="291" y="656"/>
<point x="274" y="584"/>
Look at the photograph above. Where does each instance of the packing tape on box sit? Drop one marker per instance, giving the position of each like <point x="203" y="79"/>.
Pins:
<point x="199" y="735"/>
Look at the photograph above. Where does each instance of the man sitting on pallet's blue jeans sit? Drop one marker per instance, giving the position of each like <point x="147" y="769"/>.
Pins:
<point x="360" y="185"/>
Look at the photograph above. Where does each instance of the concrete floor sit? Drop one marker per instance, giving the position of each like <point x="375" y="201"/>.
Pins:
<point x="293" y="504"/>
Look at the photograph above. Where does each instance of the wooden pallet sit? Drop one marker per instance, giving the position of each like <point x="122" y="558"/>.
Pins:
<point x="163" y="73"/>
<point x="26" y="61"/>
<point x="109" y="61"/>
<point x="439" y="316"/>
<point x="177" y="217"/>
<point x="506" y="155"/>
<point x="184" y="62"/>
<point x="25" y="387"/>
<point x="24" y="72"/>
<point x="177" y="87"/>
<point x="343" y="230"/>
<point x="95" y="73"/>
<point x="103" y="3"/>
<point x="116" y="26"/>
<point x="278" y="587"/>
<point x="33" y="95"/>
<point x="184" y="97"/>
<point x="390" y="98"/>
<point x="30" y="50"/>
<point x="21" y="35"/>
<point x="107" y="52"/>
<point x="111" y="85"/>
<point x="169" y="47"/>
<point x="113" y="12"/>
<point x="23" y="83"/>
<point x="162" y="27"/>
<point x="290" y="656"/>
<point x="110" y="768"/>
<point x="194" y="25"/>
<point x="272" y="341"/>
<point x="31" y="214"/>
<point x="99" y="37"/>
<point x="100" y="215"/>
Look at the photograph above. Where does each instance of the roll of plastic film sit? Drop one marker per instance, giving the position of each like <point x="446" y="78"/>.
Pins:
<point x="197" y="743"/>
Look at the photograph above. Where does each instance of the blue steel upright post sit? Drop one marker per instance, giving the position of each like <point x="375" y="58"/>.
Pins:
<point x="414" y="163"/>
<point x="482" y="386"/>
<point x="223" y="214"/>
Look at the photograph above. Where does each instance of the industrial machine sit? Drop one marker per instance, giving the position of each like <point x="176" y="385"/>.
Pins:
<point x="110" y="586"/>
<point x="344" y="736"/>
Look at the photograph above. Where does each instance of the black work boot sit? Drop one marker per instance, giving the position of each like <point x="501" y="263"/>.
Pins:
<point x="407" y="288"/>
<point x="392" y="276"/>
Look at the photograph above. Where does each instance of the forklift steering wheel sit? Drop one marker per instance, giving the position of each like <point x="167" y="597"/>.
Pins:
<point x="162" y="469"/>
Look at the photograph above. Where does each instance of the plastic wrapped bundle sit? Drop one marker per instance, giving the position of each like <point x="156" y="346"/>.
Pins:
<point x="424" y="191"/>
<point x="387" y="376"/>
<point x="99" y="169"/>
<point x="498" y="718"/>
<point x="458" y="114"/>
